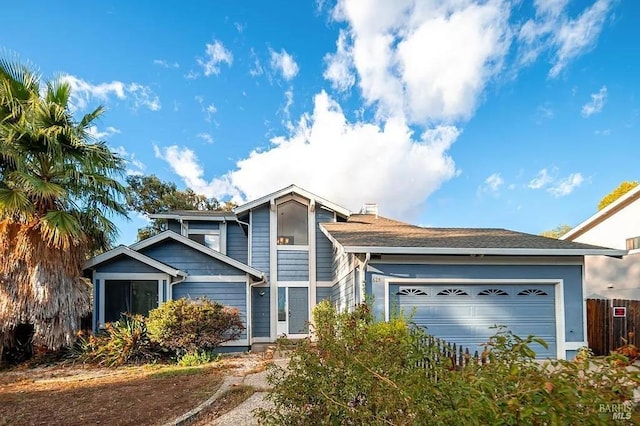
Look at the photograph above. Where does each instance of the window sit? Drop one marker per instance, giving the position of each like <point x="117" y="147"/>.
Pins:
<point x="293" y="224"/>
<point x="211" y="240"/>
<point x="633" y="243"/>
<point x="131" y="296"/>
<point x="282" y="304"/>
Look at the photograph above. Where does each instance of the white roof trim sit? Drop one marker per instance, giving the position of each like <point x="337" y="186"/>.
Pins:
<point x="487" y="251"/>
<point x="192" y="217"/>
<point x="288" y="190"/>
<point x="124" y="250"/>
<point x="610" y="210"/>
<point x="197" y="246"/>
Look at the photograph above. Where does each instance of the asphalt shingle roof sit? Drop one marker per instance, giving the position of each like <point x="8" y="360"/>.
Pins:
<point x="370" y="231"/>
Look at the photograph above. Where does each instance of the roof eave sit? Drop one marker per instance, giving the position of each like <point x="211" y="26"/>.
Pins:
<point x="192" y="217"/>
<point x="603" y="214"/>
<point x="126" y="251"/>
<point x="288" y="190"/>
<point x="485" y="251"/>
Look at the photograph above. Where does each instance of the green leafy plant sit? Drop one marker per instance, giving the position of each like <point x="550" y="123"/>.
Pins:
<point x="358" y="371"/>
<point x="123" y="342"/>
<point x="191" y="359"/>
<point x="188" y="326"/>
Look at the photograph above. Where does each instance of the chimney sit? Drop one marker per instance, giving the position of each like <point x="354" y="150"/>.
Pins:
<point x="370" y="208"/>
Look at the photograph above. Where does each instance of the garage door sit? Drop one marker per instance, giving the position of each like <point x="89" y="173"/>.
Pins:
<point x="464" y="313"/>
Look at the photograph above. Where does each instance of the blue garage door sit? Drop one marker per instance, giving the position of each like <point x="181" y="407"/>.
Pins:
<point x="464" y="313"/>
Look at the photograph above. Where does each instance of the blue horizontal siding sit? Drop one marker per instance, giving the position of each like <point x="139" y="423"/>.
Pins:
<point x="293" y="265"/>
<point x="203" y="225"/>
<point x="260" y="312"/>
<point x="231" y="294"/>
<point x="570" y="274"/>
<point x="188" y="259"/>
<point x="260" y="239"/>
<point x="237" y="242"/>
<point x="174" y="225"/>
<point x="324" y="248"/>
<point x="323" y="293"/>
<point x="125" y="264"/>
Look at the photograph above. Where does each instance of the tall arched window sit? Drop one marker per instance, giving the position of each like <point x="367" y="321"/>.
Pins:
<point x="293" y="224"/>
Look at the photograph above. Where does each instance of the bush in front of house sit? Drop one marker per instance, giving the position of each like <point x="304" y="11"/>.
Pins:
<point x="188" y="326"/>
<point x="125" y="341"/>
<point x="359" y="371"/>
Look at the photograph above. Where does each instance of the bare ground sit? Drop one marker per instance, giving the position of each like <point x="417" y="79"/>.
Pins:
<point x="74" y="395"/>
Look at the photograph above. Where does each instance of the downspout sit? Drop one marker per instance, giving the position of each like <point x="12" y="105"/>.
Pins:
<point x="172" y="283"/>
<point x="363" y="281"/>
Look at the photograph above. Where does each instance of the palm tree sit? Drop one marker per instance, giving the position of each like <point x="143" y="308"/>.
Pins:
<point x="58" y="192"/>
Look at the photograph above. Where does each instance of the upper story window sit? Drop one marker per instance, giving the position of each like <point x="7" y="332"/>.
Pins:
<point x="293" y="219"/>
<point x="210" y="239"/>
<point x="633" y="243"/>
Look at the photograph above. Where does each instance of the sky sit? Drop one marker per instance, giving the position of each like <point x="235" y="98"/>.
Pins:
<point x="496" y="113"/>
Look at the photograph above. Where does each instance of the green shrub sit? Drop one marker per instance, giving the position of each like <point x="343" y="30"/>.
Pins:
<point x="191" y="359"/>
<point x="123" y="342"/>
<point x="362" y="372"/>
<point x="187" y="326"/>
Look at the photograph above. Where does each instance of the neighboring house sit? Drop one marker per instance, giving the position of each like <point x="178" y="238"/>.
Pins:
<point x="276" y="257"/>
<point x="616" y="226"/>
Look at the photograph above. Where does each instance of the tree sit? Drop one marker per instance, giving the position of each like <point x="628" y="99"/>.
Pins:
<point x="58" y="190"/>
<point x="557" y="232"/>
<point x="622" y="189"/>
<point x="149" y="194"/>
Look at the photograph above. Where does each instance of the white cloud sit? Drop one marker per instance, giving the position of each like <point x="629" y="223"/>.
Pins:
<point x="541" y="180"/>
<point x="493" y="183"/>
<point x="339" y="69"/>
<point x="284" y="64"/>
<point x="567" y="185"/>
<point x="603" y="132"/>
<point x="289" y="101"/>
<point x="418" y="59"/>
<point x="205" y="137"/>
<point x="164" y="64"/>
<point x="100" y="135"/>
<point x="216" y="54"/>
<point x="207" y="109"/>
<point x="135" y="166"/>
<point x="83" y="93"/>
<point x="256" y="69"/>
<point x="554" y="31"/>
<point x="386" y="163"/>
<point x="596" y="103"/>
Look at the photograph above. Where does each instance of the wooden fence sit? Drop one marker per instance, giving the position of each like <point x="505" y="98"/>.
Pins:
<point x="605" y="332"/>
<point x="436" y="350"/>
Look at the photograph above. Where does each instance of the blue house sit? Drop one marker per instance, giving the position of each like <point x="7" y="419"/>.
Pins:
<point x="276" y="257"/>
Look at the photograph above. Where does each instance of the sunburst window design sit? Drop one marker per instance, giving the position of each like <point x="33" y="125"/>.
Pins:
<point x="532" y="292"/>
<point x="493" y="292"/>
<point x="412" y="291"/>
<point x="453" y="292"/>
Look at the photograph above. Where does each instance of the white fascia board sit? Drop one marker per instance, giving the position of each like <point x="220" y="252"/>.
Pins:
<point x="197" y="246"/>
<point x="126" y="251"/>
<point x="605" y="212"/>
<point x="288" y="190"/>
<point x="187" y="216"/>
<point x="487" y="251"/>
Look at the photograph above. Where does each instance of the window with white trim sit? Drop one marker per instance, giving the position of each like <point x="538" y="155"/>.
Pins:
<point x="129" y="296"/>
<point x="633" y="243"/>
<point x="293" y="220"/>
<point x="210" y="239"/>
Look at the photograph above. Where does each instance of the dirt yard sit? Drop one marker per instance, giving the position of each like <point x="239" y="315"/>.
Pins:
<point x="77" y="395"/>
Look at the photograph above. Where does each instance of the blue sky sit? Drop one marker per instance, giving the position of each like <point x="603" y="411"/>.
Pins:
<point x="498" y="113"/>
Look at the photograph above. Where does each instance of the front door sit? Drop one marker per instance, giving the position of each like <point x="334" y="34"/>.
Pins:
<point x="298" y="310"/>
<point x="293" y="310"/>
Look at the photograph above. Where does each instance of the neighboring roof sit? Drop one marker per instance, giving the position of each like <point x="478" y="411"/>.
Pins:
<point x="292" y="189"/>
<point x="603" y="214"/>
<point x="197" y="246"/>
<point x="371" y="234"/>
<point x="126" y="251"/>
<point x="216" y="215"/>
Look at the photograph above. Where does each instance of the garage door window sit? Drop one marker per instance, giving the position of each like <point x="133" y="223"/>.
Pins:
<point x="532" y="292"/>
<point x="493" y="292"/>
<point x="412" y="291"/>
<point x="453" y="292"/>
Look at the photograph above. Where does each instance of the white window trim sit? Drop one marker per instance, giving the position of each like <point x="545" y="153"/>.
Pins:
<point x="221" y="233"/>
<point x="304" y="202"/>
<point x="104" y="276"/>
<point x="292" y="247"/>
<point x="561" y="343"/>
